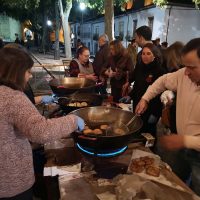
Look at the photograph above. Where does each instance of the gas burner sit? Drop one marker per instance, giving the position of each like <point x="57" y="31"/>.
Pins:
<point x="102" y="153"/>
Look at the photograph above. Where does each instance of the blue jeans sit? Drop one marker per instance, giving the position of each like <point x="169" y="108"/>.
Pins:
<point x="193" y="158"/>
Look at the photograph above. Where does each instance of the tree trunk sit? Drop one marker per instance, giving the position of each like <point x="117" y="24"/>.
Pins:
<point x="66" y="29"/>
<point x="109" y="18"/>
<point x="44" y="32"/>
<point x="57" y="49"/>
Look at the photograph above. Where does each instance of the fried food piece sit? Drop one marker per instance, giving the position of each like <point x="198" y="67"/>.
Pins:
<point x="137" y="165"/>
<point x="136" y="168"/>
<point x="135" y="161"/>
<point x="119" y="131"/>
<point x="141" y="163"/>
<point x="104" y="126"/>
<point x="153" y="171"/>
<point x="87" y="131"/>
<point x="78" y="104"/>
<point x="97" y="131"/>
<point x="148" y="161"/>
<point x="84" y="104"/>
<point x="144" y="158"/>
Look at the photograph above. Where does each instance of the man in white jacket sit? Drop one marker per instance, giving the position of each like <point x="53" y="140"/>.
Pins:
<point x="186" y="82"/>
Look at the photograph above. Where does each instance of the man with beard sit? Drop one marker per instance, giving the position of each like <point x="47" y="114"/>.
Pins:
<point x="186" y="82"/>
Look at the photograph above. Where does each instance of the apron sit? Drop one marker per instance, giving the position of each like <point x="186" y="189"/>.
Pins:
<point x="85" y="70"/>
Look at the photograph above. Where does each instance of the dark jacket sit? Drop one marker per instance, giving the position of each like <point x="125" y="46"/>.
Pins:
<point x="122" y="64"/>
<point x="101" y="59"/>
<point x="143" y="76"/>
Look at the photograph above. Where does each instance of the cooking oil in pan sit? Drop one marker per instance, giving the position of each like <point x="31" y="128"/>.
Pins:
<point x="104" y="129"/>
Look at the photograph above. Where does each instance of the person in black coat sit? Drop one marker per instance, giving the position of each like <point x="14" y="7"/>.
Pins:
<point x="101" y="61"/>
<point x="145" y="73"/>
<point x="119" y="65"/>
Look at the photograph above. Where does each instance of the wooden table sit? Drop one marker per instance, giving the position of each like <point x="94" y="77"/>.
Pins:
<point x="81" y="188"/>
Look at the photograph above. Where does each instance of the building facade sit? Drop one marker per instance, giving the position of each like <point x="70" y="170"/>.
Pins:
<point x="172" y="23"/>
<point x="9" y="27"/>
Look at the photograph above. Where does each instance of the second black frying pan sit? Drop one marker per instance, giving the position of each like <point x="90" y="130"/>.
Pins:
<point x="80" y="99"/>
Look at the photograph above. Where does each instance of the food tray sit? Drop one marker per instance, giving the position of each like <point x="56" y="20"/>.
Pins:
<point x="162" y="178"/>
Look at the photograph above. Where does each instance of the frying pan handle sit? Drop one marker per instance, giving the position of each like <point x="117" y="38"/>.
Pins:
<point x="52" y="76"/>
<point x="87" y="138"/>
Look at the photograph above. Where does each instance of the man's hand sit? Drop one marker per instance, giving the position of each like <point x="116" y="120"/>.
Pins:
<point x="172" y="142"/>
<point x="141" y="107"/>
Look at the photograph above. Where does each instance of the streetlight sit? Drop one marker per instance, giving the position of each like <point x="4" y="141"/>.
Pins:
<point x="49" y="23"/>
<point x="82" y="7"/>
<point x="72" y="36"/>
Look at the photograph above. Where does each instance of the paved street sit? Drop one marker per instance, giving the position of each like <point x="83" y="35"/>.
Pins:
<point x="40" y="79"/>
<point x="47" y="58"/>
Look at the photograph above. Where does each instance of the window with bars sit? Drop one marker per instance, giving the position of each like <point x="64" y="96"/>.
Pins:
<point x="150" y="22"/>
<point x="96" y="30"/>
<point x="121" y="28"/>
<point x="134" y="26"/>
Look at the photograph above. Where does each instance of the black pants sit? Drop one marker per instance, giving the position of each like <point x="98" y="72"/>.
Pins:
<point x="116" y="93"/>
<point x="39" y="189"/>
<point x="27" y="195"/>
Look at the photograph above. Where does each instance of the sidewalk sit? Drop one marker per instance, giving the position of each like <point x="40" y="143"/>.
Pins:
<point x="47" y="58"/>
<point x="40" y="80"/>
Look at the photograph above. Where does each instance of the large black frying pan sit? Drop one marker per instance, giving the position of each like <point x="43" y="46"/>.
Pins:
<point x="69" y="85"/>
<point x="96" y="116"/>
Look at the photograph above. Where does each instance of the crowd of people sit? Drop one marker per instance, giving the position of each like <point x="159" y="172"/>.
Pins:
<point x="185" y="82"/>
<point x="155" y="69"/>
